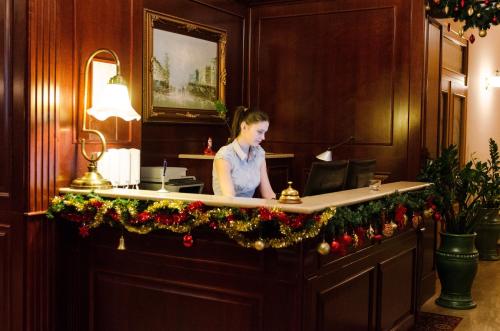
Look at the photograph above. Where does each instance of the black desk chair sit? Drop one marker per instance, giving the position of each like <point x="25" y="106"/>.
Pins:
<point x="326" y="177"/>
<point x="360" y="172"/>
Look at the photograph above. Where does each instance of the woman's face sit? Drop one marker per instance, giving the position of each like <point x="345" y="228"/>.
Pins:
<point x="253" y="134"/>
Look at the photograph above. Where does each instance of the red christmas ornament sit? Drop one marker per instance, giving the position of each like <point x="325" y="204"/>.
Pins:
<point x="187" y="241"/>
<point x="486" y="2"/>
<point x="472" y="38"/>
<point x="378" y="237"/>
<point x="462" y="3"/>
<point x="456" y="9"/>
<point x="494" y="20"/>
<point x="213" y="225"/>
<point x="83" y="231"/>
<point x="437" y="216"/>
<point x="335" y="246"/>
<point x="347" y="239"/>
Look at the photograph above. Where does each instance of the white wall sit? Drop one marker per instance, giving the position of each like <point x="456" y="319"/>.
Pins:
<point x="483" y="106"/>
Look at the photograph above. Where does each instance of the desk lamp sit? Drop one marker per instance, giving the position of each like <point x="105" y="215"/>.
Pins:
<point x="116" y="103"/>
<point x="327" y="155"/>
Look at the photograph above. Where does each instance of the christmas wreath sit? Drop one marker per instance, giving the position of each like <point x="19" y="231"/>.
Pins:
<point x="340" y="229"/>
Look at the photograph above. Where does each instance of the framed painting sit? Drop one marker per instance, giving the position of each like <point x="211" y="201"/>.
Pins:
<point x="184" y="70"/>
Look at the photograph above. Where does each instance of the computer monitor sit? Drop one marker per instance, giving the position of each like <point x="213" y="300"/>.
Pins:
<point x="326" y="177"/>
<point x="360" y="172"/>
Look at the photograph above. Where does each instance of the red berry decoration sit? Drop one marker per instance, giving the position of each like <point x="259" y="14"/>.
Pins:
<point x="187" y="241"/>
<point x="347" y="239"/>
<point x="335" y="246"/>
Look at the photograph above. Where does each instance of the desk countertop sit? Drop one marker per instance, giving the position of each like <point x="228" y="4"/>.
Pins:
<point x="309" y="204"/>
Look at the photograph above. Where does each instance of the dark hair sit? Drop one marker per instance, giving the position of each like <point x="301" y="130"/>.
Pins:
<point x="243" y="114"/>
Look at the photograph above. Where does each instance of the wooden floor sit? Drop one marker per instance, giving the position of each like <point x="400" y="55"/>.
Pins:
<point x="486" y="293"/>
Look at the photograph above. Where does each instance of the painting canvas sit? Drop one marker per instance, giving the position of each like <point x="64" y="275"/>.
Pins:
<point x="184" y="71"/>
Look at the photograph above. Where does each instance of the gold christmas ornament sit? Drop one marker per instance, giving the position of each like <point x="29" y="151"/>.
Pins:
<point x="370" y="233"/>
<point x="416" y="220"/>
<point x="355" y="240"/>
<point x="446" y="10"/>
<point x="470" y="11"/>
<point x="121" y="244"/>
<point x="498" y="5"/>
<point x="428" y="213"/>
<point x="478" y="15"/>
<point x="323" y="248"/>
<point x="259" y="245"/>
<point x="394" y="225"/>
<point x="482" y="33"/>
<point x="388" y="230"/>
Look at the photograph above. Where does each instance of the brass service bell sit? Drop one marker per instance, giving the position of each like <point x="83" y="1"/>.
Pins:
<point x="290" y="195"/>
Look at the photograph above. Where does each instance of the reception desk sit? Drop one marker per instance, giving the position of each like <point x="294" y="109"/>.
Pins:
<point x="158" y="284"/>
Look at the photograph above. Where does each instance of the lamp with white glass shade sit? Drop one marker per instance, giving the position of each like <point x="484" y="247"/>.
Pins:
<point x="115" y="103"/>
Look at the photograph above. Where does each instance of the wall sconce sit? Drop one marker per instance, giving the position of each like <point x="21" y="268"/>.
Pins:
<point x="327" y="155"/>
<point x="493" y="81"/>
<point x="116" y="103"/>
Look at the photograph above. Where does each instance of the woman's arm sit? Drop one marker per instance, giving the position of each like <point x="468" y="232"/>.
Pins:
<point x="223" y="169"/>
<point x="266" y="191"/>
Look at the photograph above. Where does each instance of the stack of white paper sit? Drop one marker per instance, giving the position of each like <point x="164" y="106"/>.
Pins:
<point x="121" y="167"/>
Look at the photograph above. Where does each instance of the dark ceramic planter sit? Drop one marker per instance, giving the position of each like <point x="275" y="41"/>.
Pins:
<point x="456" y="262"/>
<point x="488" y="230"/>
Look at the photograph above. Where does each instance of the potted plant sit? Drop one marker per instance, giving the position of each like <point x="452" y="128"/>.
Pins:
<point x="455" y="205"/>
<point x="488" y="219"/>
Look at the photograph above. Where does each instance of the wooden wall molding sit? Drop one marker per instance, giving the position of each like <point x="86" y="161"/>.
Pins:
<point x="5" y="253"/>
<point x="223" y="309"/>
<point x="43" y="106"/>
<point x="6" y="99"/>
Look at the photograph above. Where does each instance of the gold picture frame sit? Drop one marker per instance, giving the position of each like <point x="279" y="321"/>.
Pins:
<point x="184" y="70"/>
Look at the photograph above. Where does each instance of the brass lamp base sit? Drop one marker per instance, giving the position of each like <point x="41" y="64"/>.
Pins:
<point x="91" y="180"/>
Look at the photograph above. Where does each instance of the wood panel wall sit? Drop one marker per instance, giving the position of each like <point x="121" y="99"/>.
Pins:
<point x="13" y="50"/>
<point x="329" y="70"/>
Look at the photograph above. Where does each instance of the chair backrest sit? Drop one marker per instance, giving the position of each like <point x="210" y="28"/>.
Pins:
<point x="326" y="177"/>
<point x="360" y="172"/>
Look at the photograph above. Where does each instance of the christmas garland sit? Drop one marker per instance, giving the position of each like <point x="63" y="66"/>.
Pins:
<point x="481" y="14"/>
<point x="345" y="228"/>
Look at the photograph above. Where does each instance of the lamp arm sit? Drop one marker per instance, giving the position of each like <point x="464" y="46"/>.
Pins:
<point x="103" y="146"/>
<point x="343" y="142"/>
<point x="85" y="104"/>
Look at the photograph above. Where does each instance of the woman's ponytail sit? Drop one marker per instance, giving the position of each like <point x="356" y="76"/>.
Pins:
<point x="243" y="114"/>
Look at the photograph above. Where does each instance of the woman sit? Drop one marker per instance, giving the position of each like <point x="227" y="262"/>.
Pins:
<point x="240" y="166"/>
